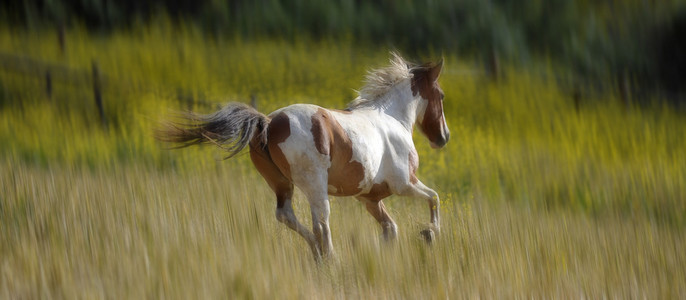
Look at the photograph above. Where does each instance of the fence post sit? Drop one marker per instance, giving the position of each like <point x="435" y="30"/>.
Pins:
<point x="625" y="90"/>
<point x="60" y="37"/>
<point x="576" y="97"/>
<point x="48" y="84"/>
<point x="493" y="68"/>
<point x="97" y="94"/>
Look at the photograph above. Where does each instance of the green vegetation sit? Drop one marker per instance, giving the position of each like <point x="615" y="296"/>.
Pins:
<point x="637" y="41"/>
<point x="540" y="198"/>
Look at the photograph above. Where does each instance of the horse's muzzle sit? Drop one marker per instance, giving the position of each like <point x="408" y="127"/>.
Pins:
<point x="441" y="141"/>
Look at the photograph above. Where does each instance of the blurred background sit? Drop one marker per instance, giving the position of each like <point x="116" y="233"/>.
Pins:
<point x="565" y="176"/>
<point x="637" y="43"/>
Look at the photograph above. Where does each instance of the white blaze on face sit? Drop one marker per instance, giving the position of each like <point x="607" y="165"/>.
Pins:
<point x="421" y="110"/>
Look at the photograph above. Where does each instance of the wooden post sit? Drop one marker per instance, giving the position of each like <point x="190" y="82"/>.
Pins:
<point x="493" y="65"/>
<point x="60" y="37"/>
<point x="48" y="84"/>
<point x="576" y="96"/>
<point x="97" y="94"/>
<point x="625" y="90"/>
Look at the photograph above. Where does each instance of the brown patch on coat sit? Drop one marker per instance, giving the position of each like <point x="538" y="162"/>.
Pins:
<point x="378" y="192"/>
<point x="330" y="139"/>
<point x="321" y="121"/>
<point x="424" y="82"/>
<point x="413" y="163"/>
<point x="279" y="130"/>
<point x="321" y="131"/>
<point x="282" y="186"/>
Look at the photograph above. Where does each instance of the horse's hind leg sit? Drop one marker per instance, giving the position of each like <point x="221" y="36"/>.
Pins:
<point x="283" y="188"/>
<point x="285" y="214"/>
<point x="378" y="210"/>
<point x="320" y="208"/>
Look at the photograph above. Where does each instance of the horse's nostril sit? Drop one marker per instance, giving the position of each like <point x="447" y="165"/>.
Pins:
<point x="440" y="141"/>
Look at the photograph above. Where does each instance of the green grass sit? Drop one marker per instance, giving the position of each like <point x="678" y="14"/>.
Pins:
<point x="537" y="198"/>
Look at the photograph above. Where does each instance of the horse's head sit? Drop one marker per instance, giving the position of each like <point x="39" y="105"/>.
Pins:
<point x="430" y="116"/>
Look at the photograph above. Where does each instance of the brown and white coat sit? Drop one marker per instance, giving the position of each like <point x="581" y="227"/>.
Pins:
<point x="365" y="151"/>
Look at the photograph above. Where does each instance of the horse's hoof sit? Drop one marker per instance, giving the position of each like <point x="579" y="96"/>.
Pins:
<point x="428" y="235"/>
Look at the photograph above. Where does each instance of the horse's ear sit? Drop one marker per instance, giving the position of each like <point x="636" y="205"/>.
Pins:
<point x="435" y="71"/>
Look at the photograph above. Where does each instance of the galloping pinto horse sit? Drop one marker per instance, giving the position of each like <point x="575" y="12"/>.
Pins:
<point x="365" y="151"/>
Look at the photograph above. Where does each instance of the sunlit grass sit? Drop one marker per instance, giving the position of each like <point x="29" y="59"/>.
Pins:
<point x="132" y="232"/>
<point x="538" y="199"/>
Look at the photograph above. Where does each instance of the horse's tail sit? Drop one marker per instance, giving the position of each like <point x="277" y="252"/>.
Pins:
<point x="231" y="128"/>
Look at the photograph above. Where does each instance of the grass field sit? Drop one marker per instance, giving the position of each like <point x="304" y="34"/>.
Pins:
<point x="137" y="233"/>
<point x="538" y="199"/>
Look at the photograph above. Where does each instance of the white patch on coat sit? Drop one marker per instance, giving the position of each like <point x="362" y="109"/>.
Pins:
<point x="308" y="166"/>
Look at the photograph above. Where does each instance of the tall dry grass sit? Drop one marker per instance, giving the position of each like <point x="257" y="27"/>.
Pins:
<point x="139" y="233"/>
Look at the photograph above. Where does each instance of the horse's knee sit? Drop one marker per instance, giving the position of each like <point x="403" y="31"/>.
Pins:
<point x="286" y="216"/>
<point x="434" y="208"/>
<point x="280" y="215"/>
<point x="432" y="198"/>
<point x="320" y="210"/>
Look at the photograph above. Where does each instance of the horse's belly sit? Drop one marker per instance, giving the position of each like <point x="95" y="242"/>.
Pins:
<point x="350" y="175"/>
<point x="348" y="182"/>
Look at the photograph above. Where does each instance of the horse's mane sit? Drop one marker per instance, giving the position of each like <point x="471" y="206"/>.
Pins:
<point x="380" y="81"/>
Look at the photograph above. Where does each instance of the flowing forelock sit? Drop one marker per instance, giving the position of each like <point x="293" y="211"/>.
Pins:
<point x="378" y="82"/>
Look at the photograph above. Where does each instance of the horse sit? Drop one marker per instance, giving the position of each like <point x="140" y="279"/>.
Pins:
<point x="365" y="151"/>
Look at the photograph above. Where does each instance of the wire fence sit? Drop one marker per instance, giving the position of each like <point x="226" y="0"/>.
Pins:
<point x="95" y="80"/>
<point x="92" y="79"/>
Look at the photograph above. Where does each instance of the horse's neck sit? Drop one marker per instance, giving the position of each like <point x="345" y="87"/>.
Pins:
<point x="401" y="105"/>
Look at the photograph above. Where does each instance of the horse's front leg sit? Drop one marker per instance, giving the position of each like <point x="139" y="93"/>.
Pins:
<point x="420" y="190"/>
<point x="378" y="210"/>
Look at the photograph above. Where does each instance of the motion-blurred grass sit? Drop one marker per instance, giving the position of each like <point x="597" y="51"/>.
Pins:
<point x="539" y="199"/>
